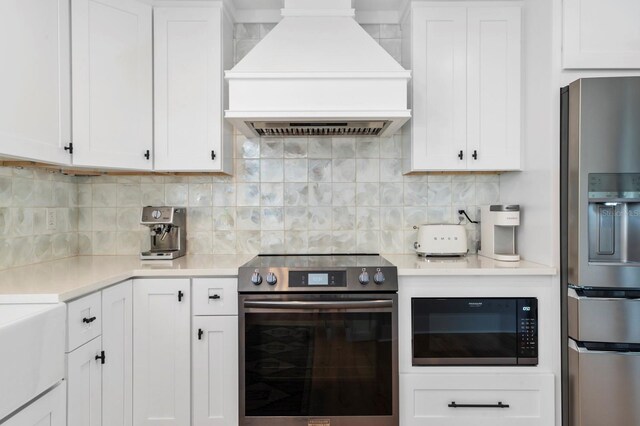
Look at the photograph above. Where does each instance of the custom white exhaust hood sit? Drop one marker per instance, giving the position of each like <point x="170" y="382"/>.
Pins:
<point x="318" y="73"/>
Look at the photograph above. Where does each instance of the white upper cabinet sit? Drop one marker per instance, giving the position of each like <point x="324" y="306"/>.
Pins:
<point x="439" y="88"/>
<point x="493" y="88"/>
<point x="466" y="88"/>
<point x="193" y="46"/>
<point x="112" y="83"/>
<point x="35" y="111"/>
<point x="601" y="34"/>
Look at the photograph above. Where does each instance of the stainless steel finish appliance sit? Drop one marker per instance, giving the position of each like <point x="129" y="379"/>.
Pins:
<point x="498" y="226"/>
<point x="468" y="332"/>
<point x="318" y="341"/>
<point x="167" y="232"/>
<point x="600" y="236"/>
<point x="329" y="128"/>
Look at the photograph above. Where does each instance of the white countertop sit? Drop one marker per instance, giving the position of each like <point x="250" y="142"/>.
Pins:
<point x="73" y="277"/>
<point x="70" y="278"/>
<point x="413" y="265"/>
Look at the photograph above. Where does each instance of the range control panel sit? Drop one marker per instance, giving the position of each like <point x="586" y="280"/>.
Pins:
<point x="317" y="278"/>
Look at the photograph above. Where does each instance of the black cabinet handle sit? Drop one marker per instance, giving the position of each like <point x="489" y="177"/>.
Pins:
<point x="213" y="155"/>
<point x="498" y="405"/>
<point x="200" y="333"/>
<point x="475" y="154"/>
<point x="88" y="320"/>
<point x="461" y="155"/>
<point x="180" y="296"/>
<point x="69" y="148"/>
<point x="147" y="154"/>
<point x="102" y="358"/>
<point x="215" y="297"/>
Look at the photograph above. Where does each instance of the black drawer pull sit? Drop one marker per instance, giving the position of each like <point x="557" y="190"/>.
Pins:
<point x="102" y="358"/>
<point x="498" y="405"/>
<point x="88" y="320"/>
<point x="461" y="155"/>
<point x="215" y="297"/>
<point x="180" y="296"/>
<point x="475" y="154"/>
<point x="200" y="333"/>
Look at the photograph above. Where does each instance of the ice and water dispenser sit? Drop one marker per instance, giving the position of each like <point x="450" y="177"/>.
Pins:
<point x="614" y="217"/>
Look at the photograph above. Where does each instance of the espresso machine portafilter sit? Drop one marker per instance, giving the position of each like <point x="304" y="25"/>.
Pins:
<point x="167" y="232"/>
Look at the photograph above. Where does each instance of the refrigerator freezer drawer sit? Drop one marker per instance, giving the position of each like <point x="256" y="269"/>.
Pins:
<point x="607" y="320"/>
<point x="603" y="387"/>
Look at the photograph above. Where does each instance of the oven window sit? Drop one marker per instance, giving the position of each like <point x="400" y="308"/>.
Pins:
<point x="318" y="364"/>
<point x="464" y="328"/>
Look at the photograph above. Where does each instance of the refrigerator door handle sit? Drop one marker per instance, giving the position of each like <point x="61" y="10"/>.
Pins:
<point x="582" y="350"/>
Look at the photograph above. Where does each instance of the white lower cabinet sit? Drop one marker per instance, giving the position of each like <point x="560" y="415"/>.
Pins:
<point x="84" y="377"/>
<point x="215" y="371"/>
<point x="477" y="399"/>
<point x="48" y="410"/>
<point x="99" y="373"/>
<point x="162" y="368"/>
<point x="117" y="341"/>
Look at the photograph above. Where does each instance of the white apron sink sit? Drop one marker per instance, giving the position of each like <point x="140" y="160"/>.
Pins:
<point x="32" y="340"/>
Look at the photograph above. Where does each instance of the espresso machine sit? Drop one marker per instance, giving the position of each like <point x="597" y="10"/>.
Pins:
<point x="167" y="232"/>
<point x="498" y="225"/>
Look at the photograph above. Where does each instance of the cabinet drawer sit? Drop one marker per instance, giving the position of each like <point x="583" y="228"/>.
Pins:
<point x="478" y="400"/>
<point x="215" y="296"/>
<point x="84" y="320"/>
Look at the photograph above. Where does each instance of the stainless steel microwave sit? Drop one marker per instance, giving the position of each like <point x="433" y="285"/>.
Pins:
<point x="478" y="331"/>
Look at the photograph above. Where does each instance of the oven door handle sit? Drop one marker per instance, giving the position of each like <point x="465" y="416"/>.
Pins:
<point x="295" y="304"/>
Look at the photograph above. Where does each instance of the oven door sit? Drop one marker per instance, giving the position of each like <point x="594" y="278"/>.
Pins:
<point x="310" y="359"/>
<point x="461" y="331"/>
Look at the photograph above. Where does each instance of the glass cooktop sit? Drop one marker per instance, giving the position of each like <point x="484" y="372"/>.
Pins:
<point x="370" y="260"/>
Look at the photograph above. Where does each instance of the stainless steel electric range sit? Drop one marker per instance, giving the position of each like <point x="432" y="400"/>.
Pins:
<point x="318" y="341"/>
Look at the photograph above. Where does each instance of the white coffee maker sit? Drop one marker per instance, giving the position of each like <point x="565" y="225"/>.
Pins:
<point x="498" y="225"/>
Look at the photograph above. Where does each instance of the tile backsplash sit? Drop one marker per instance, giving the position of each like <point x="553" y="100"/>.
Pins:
<point x="25" y="197"/>
<point x="289" y="195"/>
<point x="316" y="195"/>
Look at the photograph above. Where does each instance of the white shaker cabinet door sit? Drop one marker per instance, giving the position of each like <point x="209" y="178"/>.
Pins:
<point x="35" y="79"/>
<point x="494" y="69"/>
<point x="112" y="83"/>
<point x="601" y="34"/>
<point x="117" y="342"/>
<point x="84" y="393"/>
<point x="439" y="88"/>
<point x="190" y="47"/>
<point x="48" y="410"/>
<point x="215" y="371"/>
<point x="161" y="358"/>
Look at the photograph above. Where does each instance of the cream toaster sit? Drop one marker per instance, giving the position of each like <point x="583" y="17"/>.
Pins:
<point x="441" y="240"/>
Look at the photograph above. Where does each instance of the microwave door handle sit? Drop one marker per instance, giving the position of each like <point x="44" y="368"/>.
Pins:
<point x="294" y="304"/>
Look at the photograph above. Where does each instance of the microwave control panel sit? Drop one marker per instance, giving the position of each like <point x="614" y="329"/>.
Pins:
<point x="527" y="331"/>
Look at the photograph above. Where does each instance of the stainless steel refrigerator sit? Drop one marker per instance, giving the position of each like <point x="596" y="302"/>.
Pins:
<point x="600" y="248"/>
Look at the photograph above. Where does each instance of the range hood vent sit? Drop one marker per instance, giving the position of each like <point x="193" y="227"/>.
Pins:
<point x="318" y="73"/>
<point x="354" y="128"/>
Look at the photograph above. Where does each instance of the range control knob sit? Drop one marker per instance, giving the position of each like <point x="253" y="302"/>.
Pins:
<point x="256" y="278"/>
<point x="156" y="214"/>
<point x="364" y="277"/>
<point x="271" y="278"/>
<point x="378" y="277"/>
